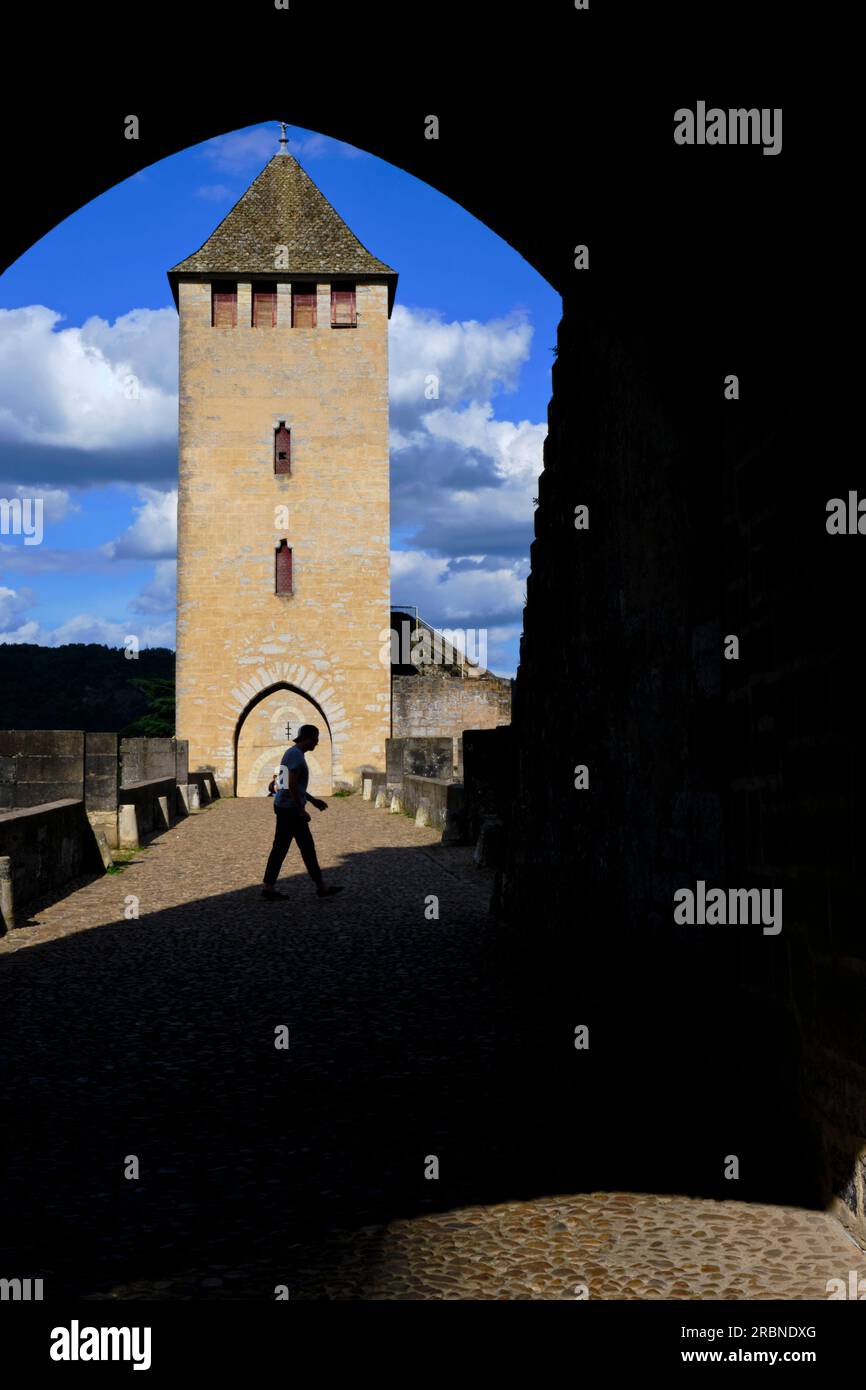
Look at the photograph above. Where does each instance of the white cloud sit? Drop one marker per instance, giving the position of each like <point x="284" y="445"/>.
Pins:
<point x="156" y="598"/>
<point x="515" y="448"/>
<point x="85" y="627"/>
<point x="95" y="387"/>
<point x="471" y="360"/>
<point x="159" y="595"/>
<point x="14" y="603"/>
<point x="463" y="480"/>
<point x="153" y="534"/>
<point x="445" y="594"/>
<point x="144" y="339"/>
<point x="28" y="632"/>
<point x="56" y="502"/>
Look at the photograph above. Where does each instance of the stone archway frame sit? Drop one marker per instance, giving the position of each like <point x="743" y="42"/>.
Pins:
<point x="265" y="681"/>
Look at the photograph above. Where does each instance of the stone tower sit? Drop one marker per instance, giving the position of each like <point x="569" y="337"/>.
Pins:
<point x="283" y="513"/>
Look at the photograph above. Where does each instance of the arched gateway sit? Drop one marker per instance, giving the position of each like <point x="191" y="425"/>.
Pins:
<point x="267" y="727"/>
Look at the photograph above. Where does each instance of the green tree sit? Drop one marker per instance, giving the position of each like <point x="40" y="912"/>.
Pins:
<point x="159" y="718"/>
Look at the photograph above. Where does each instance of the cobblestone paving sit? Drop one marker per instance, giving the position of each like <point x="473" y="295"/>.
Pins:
<point x="598" y="1246"/>
<point x="305" y="1167"/>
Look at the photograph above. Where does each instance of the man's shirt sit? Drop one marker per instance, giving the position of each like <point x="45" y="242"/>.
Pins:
<point x="294" y="760"/>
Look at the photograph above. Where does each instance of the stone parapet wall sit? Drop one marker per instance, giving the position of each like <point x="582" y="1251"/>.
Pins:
<point x="36" y="765"/>
<point x="144" y="759"/>
<point x="47" y="846"/>
<point x="146" y="798"/>
<point x="435" y="704"/>
<point x="419" y="757"/>
<point x="39" y="766"/>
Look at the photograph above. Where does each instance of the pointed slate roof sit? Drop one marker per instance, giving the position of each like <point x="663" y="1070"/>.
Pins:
<point x="283" y="207"/>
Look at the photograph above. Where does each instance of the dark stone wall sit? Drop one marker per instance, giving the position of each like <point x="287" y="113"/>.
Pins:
<point x="743" y="773"/>
<point x="40" y="765"/>
<point x="489" y="776"/>
<point x="48" y="845"/>
<point x="793" y="775"/>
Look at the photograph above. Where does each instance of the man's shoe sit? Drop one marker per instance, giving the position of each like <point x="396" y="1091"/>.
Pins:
<point x="271" y="893"/>
<point x="330" y="891"/>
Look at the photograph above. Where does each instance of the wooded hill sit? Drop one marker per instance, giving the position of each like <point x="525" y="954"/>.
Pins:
<point x="86" y="686"/>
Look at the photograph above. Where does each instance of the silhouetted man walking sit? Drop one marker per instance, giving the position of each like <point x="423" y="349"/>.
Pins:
<point x="293" y="820"/>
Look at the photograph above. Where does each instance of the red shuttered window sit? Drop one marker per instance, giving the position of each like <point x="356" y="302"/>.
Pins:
<point x="343" y="314"/>
<point x="282" y="449"/>
<point x="284" y="569"/>
<point x="264" y="305"/>
<point x="303" y="306"/>
<point x="224" y="302"/>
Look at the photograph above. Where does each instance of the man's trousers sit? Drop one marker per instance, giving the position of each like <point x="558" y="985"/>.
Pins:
<point x="291" y="826"/>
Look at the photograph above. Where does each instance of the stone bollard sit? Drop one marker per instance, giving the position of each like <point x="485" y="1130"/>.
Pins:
<point x="164" y="821"/>
<point x="103" y="846"/>
<point x="204" y="791"/>
<point x="194" y="798"/>
<point x="395" y="808"/>
<point x="127" y="827"/>
<point x="422" y="815"/>
<point x="381" y="799"/>
<point x="367" y="789"/>
<point x="7" y="904"/>
<point x="182" y="799"/>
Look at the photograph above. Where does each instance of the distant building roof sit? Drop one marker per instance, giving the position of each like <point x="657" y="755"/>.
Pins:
<point x="283" y="207"/>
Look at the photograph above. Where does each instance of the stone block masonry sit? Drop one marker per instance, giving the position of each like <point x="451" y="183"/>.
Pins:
<point x="145" y="759"/>
<point x="239" y="643"/>
<point x="40" y="765"/>
<point x="433" y="704"/>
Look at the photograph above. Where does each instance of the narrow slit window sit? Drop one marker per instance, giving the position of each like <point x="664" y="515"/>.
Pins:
<point x="284" y="568"/>
<point x="343" y="308"/>
<point x="282" y="449"/>
<point x="303" y="306"/>
<point x="224" y="302"/>
<point x="264" y="304"/>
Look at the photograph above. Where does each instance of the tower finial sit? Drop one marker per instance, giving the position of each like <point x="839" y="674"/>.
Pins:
<point x="284" y="144"/>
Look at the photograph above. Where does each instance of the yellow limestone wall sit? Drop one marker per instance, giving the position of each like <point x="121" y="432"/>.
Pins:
<point x="235" y="636"/>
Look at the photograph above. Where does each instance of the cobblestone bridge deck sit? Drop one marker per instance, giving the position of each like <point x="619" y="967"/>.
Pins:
<point x="305" y="1167"/>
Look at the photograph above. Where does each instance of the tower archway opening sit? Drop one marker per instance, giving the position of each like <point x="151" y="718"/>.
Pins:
<point x="266" y="729"/>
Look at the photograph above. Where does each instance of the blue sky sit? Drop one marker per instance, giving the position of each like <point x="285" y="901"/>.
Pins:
<point x="89" y="308"/>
